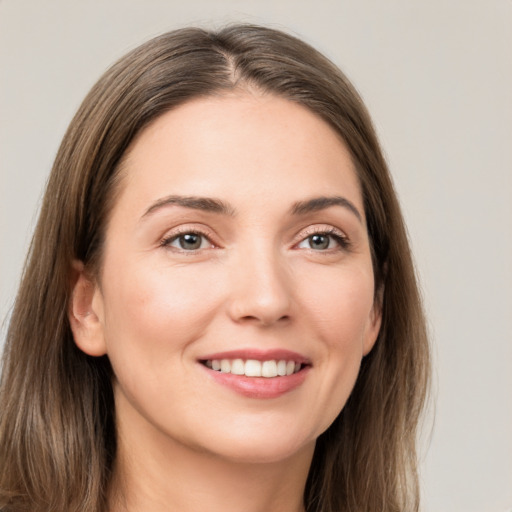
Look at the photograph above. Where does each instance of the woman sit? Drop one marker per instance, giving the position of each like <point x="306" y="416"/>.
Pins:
<point x="219" y="307"/>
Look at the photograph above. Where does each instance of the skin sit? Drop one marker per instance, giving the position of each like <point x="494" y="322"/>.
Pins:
<point x="256" y="281"/>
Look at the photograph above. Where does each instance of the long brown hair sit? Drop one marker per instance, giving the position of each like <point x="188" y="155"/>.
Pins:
<point x="57" y="424"/>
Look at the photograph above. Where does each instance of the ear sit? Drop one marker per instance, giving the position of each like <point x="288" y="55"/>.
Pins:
<point x="374" y="322"/>
<point x="85" y="312"/>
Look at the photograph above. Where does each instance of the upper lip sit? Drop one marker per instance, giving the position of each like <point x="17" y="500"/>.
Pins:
<point x="259" y="355"/>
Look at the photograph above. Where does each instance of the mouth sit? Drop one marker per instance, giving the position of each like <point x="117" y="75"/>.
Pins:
<point x="269" y="368"/>
<point x="258" y="374"/>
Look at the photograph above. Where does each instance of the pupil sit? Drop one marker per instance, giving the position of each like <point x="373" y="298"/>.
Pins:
<point x="319" y="242"/>
<point x="190" y="241"/>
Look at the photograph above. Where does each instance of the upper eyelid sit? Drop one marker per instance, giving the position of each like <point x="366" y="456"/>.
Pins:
<point x="320" y="229"/>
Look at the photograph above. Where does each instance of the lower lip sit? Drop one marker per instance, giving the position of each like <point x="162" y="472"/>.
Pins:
<point x="260" y="387"/>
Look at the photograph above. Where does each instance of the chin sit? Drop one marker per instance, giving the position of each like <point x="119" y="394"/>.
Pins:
<point x="265" y="454"/>
<point x="262" y="447"/>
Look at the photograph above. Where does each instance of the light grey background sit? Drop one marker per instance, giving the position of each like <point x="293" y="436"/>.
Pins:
<point x="437" y="77"/>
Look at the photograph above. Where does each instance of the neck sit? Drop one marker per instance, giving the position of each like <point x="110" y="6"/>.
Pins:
<point x="160" y="475"/>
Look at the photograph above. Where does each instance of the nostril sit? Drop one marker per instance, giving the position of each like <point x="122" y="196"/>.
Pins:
<point x="264" y="319"/>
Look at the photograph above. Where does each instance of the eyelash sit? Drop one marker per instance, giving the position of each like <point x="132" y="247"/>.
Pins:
<point x="175" y="235"/>
<point x="333" y="233"/>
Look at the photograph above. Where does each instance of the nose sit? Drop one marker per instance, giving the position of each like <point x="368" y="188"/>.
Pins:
<point x="261" y="290"/>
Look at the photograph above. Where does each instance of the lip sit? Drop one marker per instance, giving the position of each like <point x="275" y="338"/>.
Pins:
<point x="259" y="355"/>
<point x="259" y="387"/>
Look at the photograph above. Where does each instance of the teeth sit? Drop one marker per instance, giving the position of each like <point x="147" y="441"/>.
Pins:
<point x="238" y="367"/>
<point x="269" y="369"/>
<point x="281" y="368"/>
<point x="254" y="368"/>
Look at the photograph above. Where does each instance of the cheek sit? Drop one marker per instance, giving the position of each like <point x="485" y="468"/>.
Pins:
<point x="339" y="306"/>
<point x="152" y="310"/>
<point x="340" y="302"/>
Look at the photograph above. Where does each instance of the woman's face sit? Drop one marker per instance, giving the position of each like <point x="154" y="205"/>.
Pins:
<point x="238" y="241"/>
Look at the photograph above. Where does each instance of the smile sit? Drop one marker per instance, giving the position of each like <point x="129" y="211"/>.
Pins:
<point x="257" y="373"/>
<point x="254" y="368"/>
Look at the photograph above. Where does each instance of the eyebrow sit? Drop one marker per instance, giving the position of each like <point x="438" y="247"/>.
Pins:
<point x="206" y="204"/>
<point x="209" y="204"/>
<point x="321" y="203"/>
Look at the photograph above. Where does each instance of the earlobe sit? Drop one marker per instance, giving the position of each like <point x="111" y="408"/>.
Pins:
<point x="85" y="312"/>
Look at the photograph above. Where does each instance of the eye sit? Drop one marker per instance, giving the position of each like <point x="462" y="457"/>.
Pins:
<point x="323" y="241"/>
<point x="190" y="241"/>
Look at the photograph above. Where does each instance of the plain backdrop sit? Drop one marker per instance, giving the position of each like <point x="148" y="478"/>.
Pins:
<point x="437" y="78"/>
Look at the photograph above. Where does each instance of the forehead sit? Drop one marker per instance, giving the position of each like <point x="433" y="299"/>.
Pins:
<point x="235" y="145"/>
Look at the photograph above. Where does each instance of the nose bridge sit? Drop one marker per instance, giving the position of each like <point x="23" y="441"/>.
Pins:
<point x="261" y="284"/>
